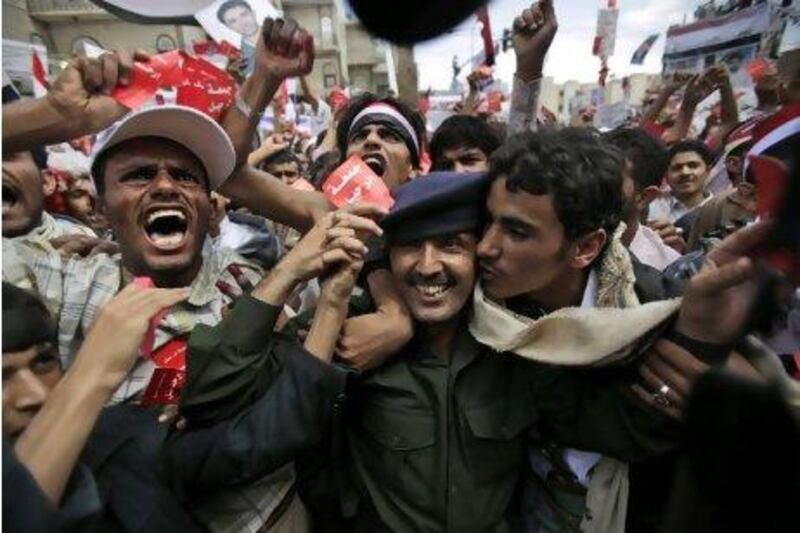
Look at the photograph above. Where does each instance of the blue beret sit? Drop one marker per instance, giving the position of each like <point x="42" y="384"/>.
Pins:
<point x="438" y="204"/>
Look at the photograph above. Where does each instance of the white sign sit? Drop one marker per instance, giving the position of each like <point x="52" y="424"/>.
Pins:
<point x="717" y="31"/>
<point x="791" y="35"/>
<point x="607" y="31"/>
<point x="18" y="63"/>
<point x="236" y="21"/>
<point x="610" y="116"/>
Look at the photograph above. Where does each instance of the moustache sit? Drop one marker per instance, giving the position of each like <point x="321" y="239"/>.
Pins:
<point x="441" y="278"/>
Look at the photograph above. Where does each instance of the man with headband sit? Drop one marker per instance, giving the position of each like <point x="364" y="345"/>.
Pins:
<point x="386" y="134"/>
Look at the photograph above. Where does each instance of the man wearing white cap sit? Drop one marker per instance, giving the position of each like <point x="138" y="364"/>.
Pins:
<point x="154" y="171"/>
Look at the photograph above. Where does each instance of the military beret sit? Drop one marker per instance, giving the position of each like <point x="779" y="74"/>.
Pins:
<point x="441" y="203"/>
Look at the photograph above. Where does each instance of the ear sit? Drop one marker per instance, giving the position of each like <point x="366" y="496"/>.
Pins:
<point x="645" y="196"/>
<point x="49" y="182"/>
<point x="587" y="248"/>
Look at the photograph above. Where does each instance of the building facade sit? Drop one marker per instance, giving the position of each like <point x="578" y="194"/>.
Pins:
<point x="345" y="53"/>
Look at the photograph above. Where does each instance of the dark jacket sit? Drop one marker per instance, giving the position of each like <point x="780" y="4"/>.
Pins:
<point x="431" y="445"/>
<point x="138" y="475"/>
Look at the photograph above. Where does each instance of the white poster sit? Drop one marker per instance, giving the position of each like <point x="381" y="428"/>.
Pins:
<point x="716" y="31"/>
<point x="791" y="35"/>
<point x="18" y="63"/>
<point x="607" y="31"/>
<point x="238" y="23"/>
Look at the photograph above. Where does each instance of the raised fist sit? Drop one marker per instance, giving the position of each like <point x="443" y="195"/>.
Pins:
<point x="285" y="50"/>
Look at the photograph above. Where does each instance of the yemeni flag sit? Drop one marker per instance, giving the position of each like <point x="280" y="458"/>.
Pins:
<point x="641" y="53"/>
<point x="40" y="84"/>
<point x="486" y="34"/>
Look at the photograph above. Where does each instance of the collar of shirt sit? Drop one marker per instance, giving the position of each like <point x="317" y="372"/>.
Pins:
<point x="677" y="206"/>
<point x="590" y="292"/>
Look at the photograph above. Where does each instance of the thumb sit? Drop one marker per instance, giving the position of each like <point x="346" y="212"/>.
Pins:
<point x="717" y="280"/>
<point x="549" y="10"/>
<point x="158" y="299"/>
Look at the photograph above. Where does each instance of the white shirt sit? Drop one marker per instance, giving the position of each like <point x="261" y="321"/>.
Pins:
<point x="650" y="249"/>
<point x="669" y="208"/>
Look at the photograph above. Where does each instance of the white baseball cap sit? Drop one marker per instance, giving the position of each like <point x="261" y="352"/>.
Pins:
<point x="192" y="129"/>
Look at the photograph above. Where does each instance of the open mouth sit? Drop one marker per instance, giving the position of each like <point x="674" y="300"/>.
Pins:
<point x="166" y="228"/>
<point x="432" y="291"/>
<point x="10" y="197"/>
<point x="376" y="163"/>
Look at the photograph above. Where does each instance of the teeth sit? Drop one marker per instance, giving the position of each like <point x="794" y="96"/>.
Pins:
<point x="432" y="290"/>
<point x="173" y="239"/>
<point x="155" y="215"/>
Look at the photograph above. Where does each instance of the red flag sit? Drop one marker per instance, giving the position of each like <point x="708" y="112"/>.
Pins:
<point x="486" y="33"/>
<point x="40" y="84"/>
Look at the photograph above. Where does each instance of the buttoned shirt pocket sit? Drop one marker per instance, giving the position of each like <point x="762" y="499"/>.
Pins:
<point x="495" y="444"/>
<point x="402" y="453"/>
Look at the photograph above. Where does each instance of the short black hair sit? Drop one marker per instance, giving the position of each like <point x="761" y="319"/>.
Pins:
<point x="582" y="172"/>
<point x="322" y="167"/>
<point x="647" y="155"/>
<point x="364" y="100"/>
<point x="281" y="157"/>
<point x="463" y="131"/>
<point x="98" y="170"/>
<point x="692" y="145"/>
<point x="230" y="4"/>
<point x="26" y="320"/>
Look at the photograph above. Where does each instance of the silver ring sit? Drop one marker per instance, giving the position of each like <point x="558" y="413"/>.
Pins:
<point x="661" y="398"/>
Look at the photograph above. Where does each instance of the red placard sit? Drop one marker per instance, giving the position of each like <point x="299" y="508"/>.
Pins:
<point x="164" y="387"/>
<point x="355" y="182"/>
<point x="205" y="87"/>
<point x="168" y="379"/>
<point x="200" y="84"/>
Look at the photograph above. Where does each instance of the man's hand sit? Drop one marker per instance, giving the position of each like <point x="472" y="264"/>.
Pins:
<point x="285" y="50"/>
<point x="677" y="80"/>
<point x="699" y="88"/>
<point x="718" y="76"/>
<point x="112" y="345"/>
<point x="671" y="235"/>
<point x="668" y="373"/>
<point x="534" y="31"/>
<point x="367" y="341"/>
<point x="82" y="93"/>
<point x="311" y="256"/>
<point x="348" y="228"/>
<point x="272" y="144"/>
<point x="719" y="299"/>
<point x="83" y="245"/>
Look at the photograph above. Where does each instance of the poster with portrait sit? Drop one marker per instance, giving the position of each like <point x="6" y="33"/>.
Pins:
<point x="237" y="22"/>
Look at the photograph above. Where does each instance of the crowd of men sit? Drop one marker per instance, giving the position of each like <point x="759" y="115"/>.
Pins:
<point x="551" y="329"/>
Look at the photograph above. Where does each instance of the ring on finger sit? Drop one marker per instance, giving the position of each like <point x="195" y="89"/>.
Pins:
<point x="661" y="397"/>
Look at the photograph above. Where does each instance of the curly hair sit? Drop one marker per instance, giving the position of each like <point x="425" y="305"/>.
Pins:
<point x="582" y="172"/>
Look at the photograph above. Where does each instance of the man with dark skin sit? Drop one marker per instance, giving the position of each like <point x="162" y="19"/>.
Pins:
<point x="435" y="436"/>
<point x="463" y="144"/>
<point x="23" y="197"/>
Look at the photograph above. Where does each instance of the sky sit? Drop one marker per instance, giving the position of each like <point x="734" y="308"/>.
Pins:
<point x="570" y="56"/>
